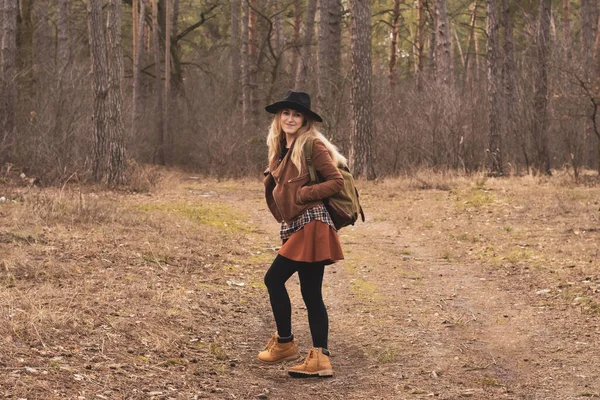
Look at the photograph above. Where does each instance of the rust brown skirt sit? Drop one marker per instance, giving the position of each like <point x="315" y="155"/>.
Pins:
<point x="315" y="242"/>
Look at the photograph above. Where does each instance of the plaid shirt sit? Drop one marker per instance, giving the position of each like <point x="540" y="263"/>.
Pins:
<point x="318" y="213"/>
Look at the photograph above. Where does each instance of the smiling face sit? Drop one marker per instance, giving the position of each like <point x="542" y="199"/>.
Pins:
<point x="291" y="121"/>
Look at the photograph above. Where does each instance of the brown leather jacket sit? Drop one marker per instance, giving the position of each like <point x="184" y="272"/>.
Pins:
<point x="287" y="192"/>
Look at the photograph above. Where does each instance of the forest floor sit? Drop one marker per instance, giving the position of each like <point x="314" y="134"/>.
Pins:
<point x="453" y="288"/>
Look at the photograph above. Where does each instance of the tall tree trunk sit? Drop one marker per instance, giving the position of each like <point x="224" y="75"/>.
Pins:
<point x="1" y="31"/>
<point x="245" y="67"/>
<point x="235" y="46"/>
<point x="167" y="104"/>
<point x="116" y="136"/>
<point x="8" y="70"/>
<point x="588" y="23"/>
<point x="43" y="35"/>
<point x="494" y="156"/>
<point x="433" y="37"/>
<point x="25" y="34"/>
<point x="444" y="45"/>
<point x="100" y="76"/>
<point x="135" y="10"/>
<point x="305" y="50"/>
<point x="597" y="59"/>
<point x="253" y="59"/>
<point x="567" y="29"/>
<point x="277" y="46"/>
<point x="138" y="40"/>
<point x="175" y="19"/>
<point x="540" y="120"/>
<point x="62" y="67"/>
<point x="393" y="56"/>
<point x="296" y="36"/>
<point x="63" y="34"/>
<point x="361" y="161"/>
<point x="330" y="29"/>
<point x="509" y="77"/>
<point x="460" y="50"/>
<point x="594" y="16"/>
<point x="596" y="89"/>
<point x="159" y="146"/>
<point x="468" y="74"/>
<point x="476" y="59"/>
<point x="278" y="29"/>
<point x="587" y="34"/>
<point x="420" y="45"/>
<point x="176" y="69"/>
<point x="279" y="57"/>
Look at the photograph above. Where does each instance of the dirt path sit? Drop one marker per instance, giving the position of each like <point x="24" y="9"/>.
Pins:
<point x="487" y="290"/>
<point x="414" y="317"/>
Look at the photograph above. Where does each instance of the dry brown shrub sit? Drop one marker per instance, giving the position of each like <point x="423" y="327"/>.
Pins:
<point x="144" y="178"/>
<point x="67" y="206"/>
<point x="428" y="179"/>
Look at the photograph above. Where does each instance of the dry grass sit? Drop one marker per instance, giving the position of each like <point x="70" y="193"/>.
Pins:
<point x="122" y="294"/>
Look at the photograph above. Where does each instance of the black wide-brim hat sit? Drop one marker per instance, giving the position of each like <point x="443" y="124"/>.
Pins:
<point x="298" y="101"/>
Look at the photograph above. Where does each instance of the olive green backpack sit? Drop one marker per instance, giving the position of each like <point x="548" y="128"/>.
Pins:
<point x="343" y="207"/>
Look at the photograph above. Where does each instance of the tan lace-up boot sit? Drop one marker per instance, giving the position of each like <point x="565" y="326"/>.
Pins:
<point x="316" y="364"/>
<point x="276" y="352"/>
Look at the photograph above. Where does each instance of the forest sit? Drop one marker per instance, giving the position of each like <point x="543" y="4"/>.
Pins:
<point x="135" y="237"/>
<point x="99" y="89"/>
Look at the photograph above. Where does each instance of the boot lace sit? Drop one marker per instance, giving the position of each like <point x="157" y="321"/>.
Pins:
<point x="271" y="343"/>
<point x="310" y="355"/>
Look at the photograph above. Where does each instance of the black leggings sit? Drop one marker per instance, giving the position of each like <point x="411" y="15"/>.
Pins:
<point x="311" y="280"/>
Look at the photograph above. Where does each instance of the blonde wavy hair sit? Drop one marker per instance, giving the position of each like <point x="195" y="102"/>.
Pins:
<point x="276" y="139"/>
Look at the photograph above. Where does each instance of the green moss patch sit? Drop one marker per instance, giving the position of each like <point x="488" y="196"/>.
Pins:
<point x="221" y="216"/>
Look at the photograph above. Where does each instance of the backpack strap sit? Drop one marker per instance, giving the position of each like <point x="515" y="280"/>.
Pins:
<point x="362" y="213"/>
<point x="308" y="151"/>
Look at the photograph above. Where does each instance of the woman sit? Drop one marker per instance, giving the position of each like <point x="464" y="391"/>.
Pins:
<point x="310" y="240"/>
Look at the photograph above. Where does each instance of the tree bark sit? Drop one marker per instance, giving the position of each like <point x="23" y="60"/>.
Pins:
<point x="567" y="29"/>
<point x="8" y="70"/>
<point x="433" y="37"/>
<point x="361" y="162"/>
<point x="137" y="56"/>
<point x="468" y="74"/>
<point x="253" y="60"/>
<point x="100" y="86"/>
<point x="587" y="35"/>
<point x="509" y="78"/>
<point x="296" y="37"/>
<point x="43" y="35"/>
<point x="159" y="146"/>
<point x="305" y="49"/>
<point x="176" y="69"/>
<point x="135" y="10"/>
<point x="494" y="156"/>
<point x="393" y="56"/>
<point x="25" y="33"/>
<point x="235" y="46"/>
<point x="115" y="171"/>
<point x="444" y="45"/>
<point x="1" y="32"/>
<point x="588" y="24"/>
<point x="63" y="34"/>
<point x="328" y="65"/>
<point x="540" y="120"/>
<point x="278" y="29"/>
<point x="167" y="103"/>
<point x="597" y="59"/>
<point x="278" y="49"/>
<point x="420" y="45"/>
<point x="245" y="67"/>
